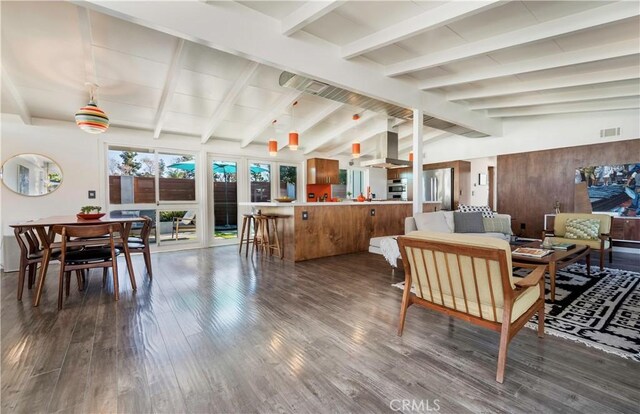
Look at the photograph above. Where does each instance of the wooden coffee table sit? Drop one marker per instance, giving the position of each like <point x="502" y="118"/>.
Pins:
<point x="555" y="261"/>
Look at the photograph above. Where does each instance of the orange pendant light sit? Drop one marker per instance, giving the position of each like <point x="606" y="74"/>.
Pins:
<point x="293" y="135"/>
<point x="273" y="147"/>
<point x="293" y="141"/>
<point x="355" y="150"/>
<point x="411" y="156"/>
<point x="273" y="143"/>
<point x="355" y="147"/>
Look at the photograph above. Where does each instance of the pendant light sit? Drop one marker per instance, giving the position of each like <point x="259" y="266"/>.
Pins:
<point x="411" y="156"/>
<point x="90" y="118"/>
<point x="273" y="143"/>
<point x="293" y="135"/>
<point x="355" y="147"/>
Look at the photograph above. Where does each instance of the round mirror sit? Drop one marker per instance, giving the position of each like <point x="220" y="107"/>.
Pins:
<point x="31" y="174"/>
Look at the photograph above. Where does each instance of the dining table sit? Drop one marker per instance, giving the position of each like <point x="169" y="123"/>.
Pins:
<point x="44" y="229"/>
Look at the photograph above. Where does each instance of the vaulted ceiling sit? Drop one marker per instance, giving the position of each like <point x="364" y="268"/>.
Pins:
<point x="211" y="69"/>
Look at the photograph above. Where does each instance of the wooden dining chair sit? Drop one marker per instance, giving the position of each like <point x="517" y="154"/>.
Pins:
<point x="31" y="254"/>
<point x="93" y="254"/>
<point x="141" y="244"/>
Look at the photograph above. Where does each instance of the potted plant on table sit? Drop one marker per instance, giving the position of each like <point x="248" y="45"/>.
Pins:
<point x="90" y="213"/>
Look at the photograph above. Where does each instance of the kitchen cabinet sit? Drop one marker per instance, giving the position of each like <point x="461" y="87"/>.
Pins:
<point x="323" y="171"/>
<point x="398" y="173"/>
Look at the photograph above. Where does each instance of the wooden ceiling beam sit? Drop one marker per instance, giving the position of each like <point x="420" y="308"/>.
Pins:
<point x="431" y="19"/>
<point x="23" y="110"/>
<point x="576" y="57"/>
<point x="546" y="30"/>
<point x="229" y="101"/>
<point x="314" y="120"/>
<point x="278" y="110"/>
<point x="170" y="84"/>
<point x="307" y="14"/>
<point x="580" y="79"/>
<point x="588" y="94"/>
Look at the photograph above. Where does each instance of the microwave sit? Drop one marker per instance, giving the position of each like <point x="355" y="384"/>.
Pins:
<point x="397" y="186"/>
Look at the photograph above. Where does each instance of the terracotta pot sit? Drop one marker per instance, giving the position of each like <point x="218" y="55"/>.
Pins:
<point x="361" y="198"/>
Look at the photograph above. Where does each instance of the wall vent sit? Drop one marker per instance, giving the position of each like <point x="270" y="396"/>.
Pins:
<point x="610" y="132"/>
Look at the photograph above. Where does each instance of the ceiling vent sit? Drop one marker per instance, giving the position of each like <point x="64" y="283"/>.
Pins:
<point x="610" y="132"/>
<point x="314" y="87"/>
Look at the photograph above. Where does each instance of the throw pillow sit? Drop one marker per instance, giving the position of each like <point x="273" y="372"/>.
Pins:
<point x="582" y="229"/>
<point x="497" y="225"/>
<point x="485" y="210"/>
<point x="468" y="222"/>
<point x="432" y="222"/>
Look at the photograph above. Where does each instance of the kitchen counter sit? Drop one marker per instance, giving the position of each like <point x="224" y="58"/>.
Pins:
<point x="313" y="230"/>
<point x="328" y="203"/>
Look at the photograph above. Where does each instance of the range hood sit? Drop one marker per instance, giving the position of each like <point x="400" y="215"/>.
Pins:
<point x="387" y="156"/>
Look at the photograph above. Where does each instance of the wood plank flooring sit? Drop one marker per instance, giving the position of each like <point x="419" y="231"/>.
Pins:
<point x="215" y="332"/>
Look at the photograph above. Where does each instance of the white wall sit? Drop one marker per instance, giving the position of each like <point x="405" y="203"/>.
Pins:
<point x="480" y="193"/>
<point x="81" y="158"/>
<point x="537" y="133"/>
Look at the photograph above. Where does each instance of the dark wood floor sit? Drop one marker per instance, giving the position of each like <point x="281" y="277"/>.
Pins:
<point x="216" y="333"/>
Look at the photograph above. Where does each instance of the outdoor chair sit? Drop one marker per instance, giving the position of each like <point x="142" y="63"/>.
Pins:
<point x="186" y="222"/>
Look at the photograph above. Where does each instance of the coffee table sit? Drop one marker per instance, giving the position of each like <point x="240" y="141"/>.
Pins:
<point x="555" y="261"/>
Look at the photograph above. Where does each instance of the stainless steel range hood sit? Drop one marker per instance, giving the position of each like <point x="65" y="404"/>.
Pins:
<point x="387" y="156"/>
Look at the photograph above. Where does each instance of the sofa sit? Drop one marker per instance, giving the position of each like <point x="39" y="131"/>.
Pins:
<point x="599" y="240"/>
<point x="444" y="272"/>
<point x="441" y="222"/>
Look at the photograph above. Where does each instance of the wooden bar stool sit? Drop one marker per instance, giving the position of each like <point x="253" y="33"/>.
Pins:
<point x="272" y="227"/>
<point x="245" y="235"/>
<point x="261" y="234"/>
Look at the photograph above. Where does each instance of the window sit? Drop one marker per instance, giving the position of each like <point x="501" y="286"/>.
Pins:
<point x="288" y="186"/>
<point x="355" y="182"/>
<point x="177" y="177"/>
<point x="342" y="177"/>
<point x="137" y="227"/>
<point x="260" y="180"/>
<point x="225" y="199"/>
<point x="131" y="176"/>
<point x="158" y="184"/>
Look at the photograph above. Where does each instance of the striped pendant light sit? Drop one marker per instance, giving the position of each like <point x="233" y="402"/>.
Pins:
<point x="90" y="118"/>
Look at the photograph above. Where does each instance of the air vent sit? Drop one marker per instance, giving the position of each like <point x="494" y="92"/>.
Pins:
<point x="610" y="132"/>
<point x="314" y="87"/>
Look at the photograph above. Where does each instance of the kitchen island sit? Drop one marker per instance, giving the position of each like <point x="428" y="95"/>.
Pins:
<point x="313" y="230"/>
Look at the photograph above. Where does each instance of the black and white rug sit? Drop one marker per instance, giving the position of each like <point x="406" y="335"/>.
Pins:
<point x="601" y="311"/>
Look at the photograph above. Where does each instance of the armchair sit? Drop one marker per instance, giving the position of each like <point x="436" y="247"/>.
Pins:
<point x="186" y="222"/>
<point x="602" y="244"/>
<point x="470" y="277"/>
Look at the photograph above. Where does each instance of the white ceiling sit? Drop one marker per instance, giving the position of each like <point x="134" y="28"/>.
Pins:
<point x="485" y="61"/>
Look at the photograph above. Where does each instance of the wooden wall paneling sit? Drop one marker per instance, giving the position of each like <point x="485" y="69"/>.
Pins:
<point x="334" y="230"/>
<point x="492" y="185"/>
<point x="581" y="202"/>
<point x="389" y="219"/>
<point x="530" y="183"/>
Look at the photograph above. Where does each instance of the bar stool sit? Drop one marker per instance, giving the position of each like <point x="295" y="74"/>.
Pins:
<point x="272" y="221"/>
<point x="245" y="236"/>
<point x="261" y="233"/>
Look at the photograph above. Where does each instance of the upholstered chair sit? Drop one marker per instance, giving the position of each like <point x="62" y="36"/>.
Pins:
<point x="470" y="277"/>
<point x="600" y="240"/>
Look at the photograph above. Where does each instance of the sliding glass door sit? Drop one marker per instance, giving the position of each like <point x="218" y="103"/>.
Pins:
<point x="158" y="184"/>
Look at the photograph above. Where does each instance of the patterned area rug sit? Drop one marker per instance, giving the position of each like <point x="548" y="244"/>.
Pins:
<point x="601" y="311"/>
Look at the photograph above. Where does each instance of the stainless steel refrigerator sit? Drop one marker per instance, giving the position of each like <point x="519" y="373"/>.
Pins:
<point x="438" y="186"/>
